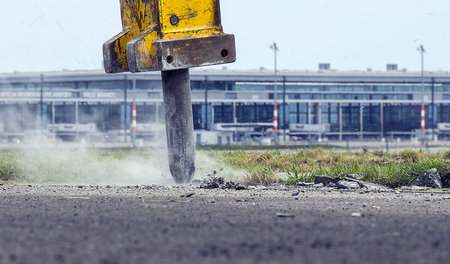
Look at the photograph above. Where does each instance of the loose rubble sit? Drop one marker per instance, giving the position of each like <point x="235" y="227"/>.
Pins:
<point x="445" y="177"/>
<point x="343" y="184"/>
<point x="325" y="180"/>
<point x="187" y="195"/>
<point x="352" y="181"/>
<point x="212" y="181"/>
<point x="285" y="215"/>
<point x="357" y="215"/>
<point x="429" y="178"/>
<point x="346" y="183"/>
<point x="368" y="185"/>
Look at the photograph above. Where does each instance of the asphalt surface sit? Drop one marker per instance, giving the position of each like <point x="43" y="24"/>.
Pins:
<point x="69" y="224"/>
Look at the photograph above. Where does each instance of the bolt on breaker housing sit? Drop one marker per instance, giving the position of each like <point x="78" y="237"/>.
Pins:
<point x="161" y="35"/>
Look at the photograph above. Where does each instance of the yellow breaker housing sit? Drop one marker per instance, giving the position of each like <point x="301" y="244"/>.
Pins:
<point x="161" y="35"/>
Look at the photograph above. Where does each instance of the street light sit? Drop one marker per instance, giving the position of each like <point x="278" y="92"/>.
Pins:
<point x="422" y="112"/>
<point x="275" y="49"/>
<point x="41" y="103"/>
<point x="134" y="112"/>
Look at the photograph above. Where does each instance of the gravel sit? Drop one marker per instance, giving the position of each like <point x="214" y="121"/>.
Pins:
<point x="95" y="224"/>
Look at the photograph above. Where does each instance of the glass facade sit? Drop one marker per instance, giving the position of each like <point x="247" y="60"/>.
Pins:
<point x="254" y="113"/>
<point x="354" y="106"/>
<point x="223" y="113"/>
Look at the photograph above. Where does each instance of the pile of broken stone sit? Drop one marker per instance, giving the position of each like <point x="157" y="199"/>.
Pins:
<point x="212" y="181"/>
<point x="429" y="179"/>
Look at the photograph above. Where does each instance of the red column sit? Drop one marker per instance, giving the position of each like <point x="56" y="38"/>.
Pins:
<point x="275" y="118"/>
<point x="422" y="118"/>
<point x="133" y="122"/>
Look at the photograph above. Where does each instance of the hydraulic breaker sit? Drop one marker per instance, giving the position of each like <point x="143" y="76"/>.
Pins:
<point x="171" y="36"/>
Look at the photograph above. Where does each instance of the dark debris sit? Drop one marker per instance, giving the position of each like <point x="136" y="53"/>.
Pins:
<point x="212" y="181"/>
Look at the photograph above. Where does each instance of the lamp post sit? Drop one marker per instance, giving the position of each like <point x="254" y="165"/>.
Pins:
<point x="274" y="47"/>
<point x="284" y="110"/>
<point x="41" y="103"/>
<point x="125" y="102"/>
<point x="422" y="112"/>
<point x="133" y="115"/>
<point x="206" y="104"/>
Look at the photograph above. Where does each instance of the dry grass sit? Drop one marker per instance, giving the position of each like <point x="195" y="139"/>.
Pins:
<point x="394" y="169"/>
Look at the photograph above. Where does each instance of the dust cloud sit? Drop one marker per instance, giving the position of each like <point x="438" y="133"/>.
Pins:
<point x="211" y="162"/>
<point x="78" y="164"/>
<point x="42" y="158"/>
<point x="82" y="166"/>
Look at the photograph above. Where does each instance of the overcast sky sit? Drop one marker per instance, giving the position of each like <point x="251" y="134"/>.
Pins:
<point x="45" y="35"/>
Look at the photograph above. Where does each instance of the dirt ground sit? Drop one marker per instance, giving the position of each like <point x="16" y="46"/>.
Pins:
<point x="151" y="224"/>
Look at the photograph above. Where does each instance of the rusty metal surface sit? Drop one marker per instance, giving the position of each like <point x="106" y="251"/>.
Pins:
<point x="168" y="34"/>
<point x="187" y="53"/>
<point x="137" y="17"/>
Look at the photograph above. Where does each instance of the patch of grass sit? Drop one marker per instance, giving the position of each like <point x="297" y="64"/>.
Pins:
<point x="9" y="169"/>
<point x="391" y="169"/>
<point x="262" y="147"/>
<point x="261" y="176"/>
<point x="447" y="154"/>
<point x="299" y="175"/>
<point x="260" y="168"/>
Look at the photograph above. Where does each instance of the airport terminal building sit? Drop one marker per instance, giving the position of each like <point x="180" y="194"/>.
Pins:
<point x="240" y="104"/>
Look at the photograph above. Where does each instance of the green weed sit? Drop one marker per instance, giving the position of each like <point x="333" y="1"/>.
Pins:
<point x="9" y="169"/>
<point x="394" y="169"/>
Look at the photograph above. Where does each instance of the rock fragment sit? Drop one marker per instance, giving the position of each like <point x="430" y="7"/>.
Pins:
<point x="211" y="181"/>
<point x="306" y="184"/>
<point x="285" y="215"/>
<point x="357" y="215"/>
<point x="187" y="195"/>
<point x="368" y="185"/>
<point x="445" y="177"/>
<point x="332" y="184"/>
<point x="343" y="184"/>
<point x="430" y="178"/>
<point x="325" y="180"/>
<point x="240" y="188"/>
